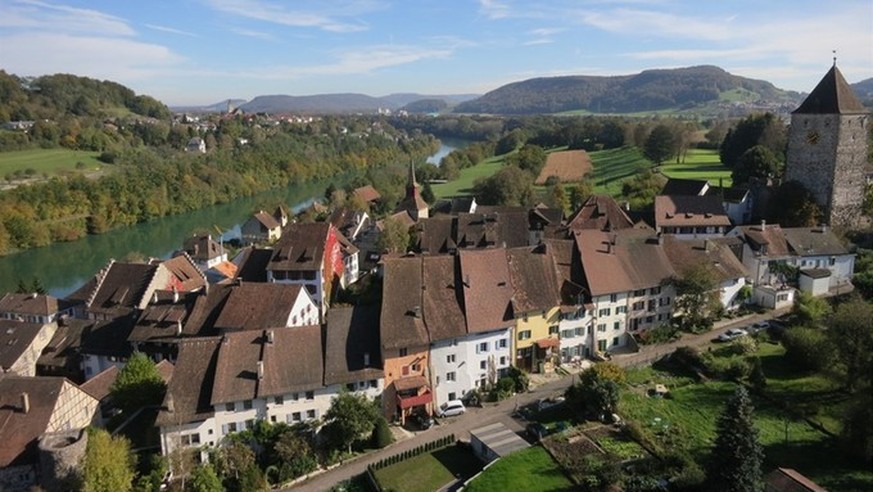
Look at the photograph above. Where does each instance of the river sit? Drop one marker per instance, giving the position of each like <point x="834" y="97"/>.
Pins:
<point x="64" y="267"/>
<point x="446" y="146"/>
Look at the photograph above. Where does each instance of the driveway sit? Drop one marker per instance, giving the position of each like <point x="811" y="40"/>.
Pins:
<point x="502" y="411"/>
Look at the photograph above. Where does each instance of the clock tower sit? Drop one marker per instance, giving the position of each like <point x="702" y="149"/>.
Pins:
<point x="827" y="149"/>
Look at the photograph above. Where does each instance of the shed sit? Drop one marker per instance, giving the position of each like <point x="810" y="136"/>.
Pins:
<point x="495" y="441"/>
<point x="814" y="280"/>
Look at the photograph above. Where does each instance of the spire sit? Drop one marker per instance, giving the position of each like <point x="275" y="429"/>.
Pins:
<point x="832" y="95"/>
<point x="411" y="182"/>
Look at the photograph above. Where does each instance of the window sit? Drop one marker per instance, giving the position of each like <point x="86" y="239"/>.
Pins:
<point x="664" y="301"/>
<point x="310" y="395"/>
<point x="613" y="297"/>
<point x="231" y="427"/>
<point x="482" y="347"/>
<point x="416" y="367"/>
<point x="524" y="334"/>
<point x="502" y="343"/>
<point x="621" y="310"/>
<point x="553" y="330"/>
<point x="655" y="290"/>
<point x="649" y="319"/>
<point x="247" y="405"/>
<point x="403" y="352"/>
<point x="639" y="292"/>
<point x="450" y="359"/>
<point x="404" y="370"/>
<point x="229" y="407"/>
<point x="616" y="325"/>
<point x="278" y="400"/>
<point x="373" y="383"/>
<point x="781" y="297"/>
<point x="502" y="360"/>
<point x="578" y="331"/>
<point x="310" y="414"/>
<point x="453" y="396"/>
<point x="614" y="341"/>
<point x="566" y="333"/>
<point x="483" y="364"/>
<point x="250" y="424"/>
<point x="604" y="312"/>
<point x="295" y="417"/>
<point x="833" y="261"/>
<point x="601" y="327"/>
<point x="351" y="386"/>
<point x="639" y="305"/>
<point x="652" y="304"/>
<point x="295" y="396"/>
<point x="450" y="376"/>
<point x="273" y="419"/>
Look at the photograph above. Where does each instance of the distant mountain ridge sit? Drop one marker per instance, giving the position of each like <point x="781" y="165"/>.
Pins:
<point x="650" y="90"/>
<point x="325" y="103"/>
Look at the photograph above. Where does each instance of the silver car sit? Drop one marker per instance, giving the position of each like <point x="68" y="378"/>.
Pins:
<point x="451" y="408"/>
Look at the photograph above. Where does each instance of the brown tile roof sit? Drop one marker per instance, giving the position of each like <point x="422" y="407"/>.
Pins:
<point x="402" y="216"/>
<point x="203" y="248"/>
<point x="719" y="260"/>
<point x="227" y="269"/>
<point x="266" y="220"/>
<point x="789" y="480"/>
<point x="99" y="386"/>
<point x="301" y="247"/>
<point x="401" y="322"/>
<point x="622" y="261"/>
<point x="600" y="212"/>
<point x="61" y="355"/>
<point x="690" y="210"/>
<point x="767" y="239"/>
<point x="252" y="264"/>
<point x="109" y="337"/>
<point x="165" y="369"/>
<point x="36" y="304"/>
<point x="442" y="301"/>
<point x="19" y="431"/>
<point x="207" y="307"/>
<point x="813" y="241"/>
<point x="690" y="187"/>
<point x="436" y="234"/>
<point x="15" y="338"/>
<point x="832" y="95"/>
<point x="568" y="165"/>
<point x="256" y="306"/>
<point x="293" y="361"/>
<point x="191" y="396"/>
<point x="367" y="193"/>
<point x="534" y="280"/>
<point x="122" y="285"/>
<point x="352" y="332"/>
<point x="186" y="272"/>
<point x="568" y="266"/>
<point x="161" y="320"/>
<point x="410" y="382"/>
<point x="487" y="289"/>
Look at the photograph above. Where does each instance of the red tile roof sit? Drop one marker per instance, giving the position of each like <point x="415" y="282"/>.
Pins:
<point x="487" y="289"/>
<point x="256" y="306"/>
<point x="36" y="304"/>
<point x="301" y="247"/>
<point x="401" y="323"/>
<point x="600" y="212"/>
<point x="367" y="193"/>
<point x="690" y="210"/>
<point x="622" y="260"/>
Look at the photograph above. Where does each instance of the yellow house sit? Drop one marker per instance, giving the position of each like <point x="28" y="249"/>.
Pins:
<point x="536" y="307"/>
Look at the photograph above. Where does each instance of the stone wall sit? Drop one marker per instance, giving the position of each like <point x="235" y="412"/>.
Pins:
<point x="60" y="455"/>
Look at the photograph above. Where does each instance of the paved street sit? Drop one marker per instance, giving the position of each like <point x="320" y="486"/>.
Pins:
<point x="502" y="411"/>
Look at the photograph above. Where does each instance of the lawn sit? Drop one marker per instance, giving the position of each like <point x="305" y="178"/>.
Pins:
<point x="48" y="161"/>
<point x="699" y="164"/>
<point x="430" y="471"/>
<point x="530" y="469"/>
<point x="612" y="167"/>
<point x="463" y="186"/>
<point x="687" y="419"/>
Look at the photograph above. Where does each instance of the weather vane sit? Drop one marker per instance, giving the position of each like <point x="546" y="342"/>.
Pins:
<point x="835" y="56"/>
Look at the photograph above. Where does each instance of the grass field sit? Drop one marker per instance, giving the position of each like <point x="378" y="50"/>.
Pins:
<point x="464" y="185"/>
<point x="699" y="164"/>
<point x="530" y="469"/>
<point x="612" y="167"/>
<point x="430" y="471"/>
<point x="688" y="418"/>
<point x="49" y="161"/>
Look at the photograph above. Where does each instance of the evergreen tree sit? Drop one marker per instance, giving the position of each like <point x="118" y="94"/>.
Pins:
<point x="138" y="384"/>
<point x="382" y="435"/>
<point x="660" y="144"/>
<point x="737" y="456"/>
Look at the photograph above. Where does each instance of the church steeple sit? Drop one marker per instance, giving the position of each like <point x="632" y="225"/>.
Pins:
<point x="832" y="95"/>
<point x="411" y="183"/>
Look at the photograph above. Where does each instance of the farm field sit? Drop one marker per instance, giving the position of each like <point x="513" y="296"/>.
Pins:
<point x="569" y="166"/>
<point x="463" y="186"/>
<point x="612" y="167"/>
<point x="529" y="469"/>
<point x="687" y="419"/>
<point x="49" y="161"/>
<point x="699" y="164"/>
<point x="430" y="471"/>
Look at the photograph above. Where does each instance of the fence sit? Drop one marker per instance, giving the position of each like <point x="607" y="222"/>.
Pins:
<point x="405" y="455"/>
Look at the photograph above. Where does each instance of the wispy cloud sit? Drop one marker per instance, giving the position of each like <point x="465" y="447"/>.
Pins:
<point x="328" y="16"/>
<point x="253" y="34"/>
<point x="366" y="60"/>
<point x="543" y="36"/>
<point x="170" y="30"/>
<point x="494" y="9"/>
<point x="33" y="14"/>
<point x="652" y="23"/>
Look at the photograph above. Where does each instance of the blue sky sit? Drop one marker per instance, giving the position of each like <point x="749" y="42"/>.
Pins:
<point x="204" y="51"/>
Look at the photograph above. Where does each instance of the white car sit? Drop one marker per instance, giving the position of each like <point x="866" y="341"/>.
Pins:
<point x="451" y="408"/>
<point x="732" y="334"/>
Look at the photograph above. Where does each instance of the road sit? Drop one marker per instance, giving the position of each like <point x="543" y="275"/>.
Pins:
<point x="502" y="411"/>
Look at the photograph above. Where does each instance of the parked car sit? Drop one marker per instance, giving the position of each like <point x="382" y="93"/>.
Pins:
<point x="423" y="420"/>
<point x="732" y="334"/>
<point x="759" y="326"/>
<point x="546" y="403"/>
<point x="451" y="408"/>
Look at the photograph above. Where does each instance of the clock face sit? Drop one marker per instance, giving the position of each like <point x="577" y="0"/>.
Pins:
<point x="812" y="137"/>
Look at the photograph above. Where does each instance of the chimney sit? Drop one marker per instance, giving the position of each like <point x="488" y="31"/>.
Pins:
<point x="179" y="328"/>
<point x="366" y="359"/>
<point x="260" y="370"/>
<point x="25" y="402"/>
<point x="763" y="225"/>
<point x="706" y="246"/>
<point x="175" y="294"/>
<point x="171" y="405"/>
<point x="271" y="336"/>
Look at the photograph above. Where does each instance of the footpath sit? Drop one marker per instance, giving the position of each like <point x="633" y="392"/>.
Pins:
<point x="542" y="386"/>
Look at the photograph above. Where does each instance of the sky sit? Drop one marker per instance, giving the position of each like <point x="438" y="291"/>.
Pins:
<point x="189" y="52"/>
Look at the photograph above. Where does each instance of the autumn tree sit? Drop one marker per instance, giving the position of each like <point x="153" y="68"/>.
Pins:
<point x="530" y="158"/>
<point x="138" y="384"/>
<point x="696" y="298"/>
<point x="109" y="463"/>
<point x="351" y="417"/>
<point x="809" y="310"/>
<point x="295" y="454"/>
<point x="204" y="479"/>
<point x="394" y="237"/>
<point x="595" y="393"/>
<point x="737" y="456"/>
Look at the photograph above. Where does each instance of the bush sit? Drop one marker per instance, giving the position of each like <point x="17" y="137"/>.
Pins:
<point x="522" y="381"/>
<point x="663" y="333"/>
<point x="610" y="371"/>
<point x="742" y="346"/>
<point x="733" y="368"/>
<point x="382" y="435"/>
<point x="504" y="389"/>
<point x="808" y="348"/>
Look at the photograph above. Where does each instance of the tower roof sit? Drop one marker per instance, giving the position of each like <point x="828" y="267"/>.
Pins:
<point x="832" y="95"/>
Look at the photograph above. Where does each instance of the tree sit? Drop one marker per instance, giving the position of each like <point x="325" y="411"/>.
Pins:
<point x="851" y="329"/>
<point x="696" y="298"/>
<point x="382" y="435"/>
<point x="510" y="142"/>
<point x="530" y="158"/>
<point x="204" y="479"/>
<point x="579" y="192"/>
<point x="295" y="453"/>
<point x="737" y="456"/>
<point x="660" y="144"/>
<point x="761" y="129"/>
<point x="394" y="237"/>
<point x="509" y="186"/>
<point x="234" y="463"/>
<point x="808" y="348"/>
<point x="350" y="416"/>
<point x="593" y="394"/>
<point x="557" y="197"/>
<point x="792" y="205"/>
<point x="138" y="384"/>
<point x="109" y="463"/>
<point x="809" y="310"/>
<point x="757" y="162"/>
<point x="427" y="193"/>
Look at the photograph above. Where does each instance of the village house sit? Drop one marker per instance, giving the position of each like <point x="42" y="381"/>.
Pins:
<point x="258" y="306"/>
<point x="31" y="307"/>
<point x="690" y="216"/>
<point x="719" y="262"/>
<point x="21" y="344"/>
<point x="196" y="145"/>
<point x="600" y="212"/>
<point x="60" y="357"/>
<point x="205" y="251"/>
<point x="576" y="324"/>
<point x="261" y="227"/>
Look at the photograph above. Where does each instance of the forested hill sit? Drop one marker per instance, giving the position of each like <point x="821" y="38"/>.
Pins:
<point x="864" y="90"/>
<point x="52" y="96"/>
<point x="650" y="90"/>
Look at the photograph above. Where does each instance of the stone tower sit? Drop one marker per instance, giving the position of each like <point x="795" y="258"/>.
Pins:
<point x="827" y="149"/>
